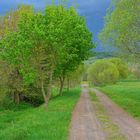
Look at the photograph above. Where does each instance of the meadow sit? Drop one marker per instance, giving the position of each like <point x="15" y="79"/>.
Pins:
<point x="126" y="94"/>
<point x="31" y="123"/>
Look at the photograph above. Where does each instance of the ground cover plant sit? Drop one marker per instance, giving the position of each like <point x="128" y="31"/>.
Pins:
<point x="126" y="94"/>
<point x="37" y="123"/>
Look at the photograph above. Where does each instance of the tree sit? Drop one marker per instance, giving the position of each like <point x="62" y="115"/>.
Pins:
<point x="74" y="78"/>
<point x="9" y="23"/>
<point x="75" y="43"/>
<point x="121" y="66"/>
<point x="103" y="72"/>
<point x="45" y="42"/>
<point x="122" y="28"/>
<point x="30" y="54"/>
<point x="10" y="20"/>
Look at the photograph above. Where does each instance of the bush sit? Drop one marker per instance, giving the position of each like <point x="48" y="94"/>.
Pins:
<point x="34" y="96"/>
<point x="103" y="72"/>
<point x="8" y="104"/>
<point x="121" y="66"/>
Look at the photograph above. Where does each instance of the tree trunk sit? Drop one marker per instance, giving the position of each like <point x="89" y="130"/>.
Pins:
<point x="68" y="84"/>
<point x="16" y="98"/>
<point x="49" y="86"/>
<point x="46" y="97"/>
<point x="43" y="91"/>
<point x="62" y="79"/>
<point x="48" y="94"/>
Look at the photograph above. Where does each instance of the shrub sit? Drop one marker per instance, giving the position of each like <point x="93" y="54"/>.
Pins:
<point x="121" y="66"/>
<point x="8" y="104"/>
<point x="103" y="72"/>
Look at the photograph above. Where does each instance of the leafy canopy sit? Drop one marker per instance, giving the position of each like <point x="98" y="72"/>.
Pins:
<point x="57" y="39"/>
<point x="122" y="28"/>
<point x="103" y="72"/>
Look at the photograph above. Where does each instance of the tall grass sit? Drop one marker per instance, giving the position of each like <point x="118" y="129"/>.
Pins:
<point x="39" y="123"/>
<point x="125" y="94"/>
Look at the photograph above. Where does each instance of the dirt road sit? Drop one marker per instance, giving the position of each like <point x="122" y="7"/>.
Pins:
<point x="128" y="125"/>
<point x="84" y="125"/>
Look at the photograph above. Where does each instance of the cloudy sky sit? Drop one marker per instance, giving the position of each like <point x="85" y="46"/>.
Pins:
<point x="93" y="10"/>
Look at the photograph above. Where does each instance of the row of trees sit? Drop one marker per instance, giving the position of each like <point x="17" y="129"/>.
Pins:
<point x="107" y="71"/>
<point x="39" y="48"/>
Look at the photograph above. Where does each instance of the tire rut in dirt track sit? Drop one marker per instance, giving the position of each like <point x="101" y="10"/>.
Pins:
<point x="84" y="124"/>
<point x="127" y="124"/>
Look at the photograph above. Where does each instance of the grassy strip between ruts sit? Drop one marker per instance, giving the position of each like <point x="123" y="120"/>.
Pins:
<point x="126" y="94"/>
<point x="39" y="124"/>
<point x="112" y="131"/>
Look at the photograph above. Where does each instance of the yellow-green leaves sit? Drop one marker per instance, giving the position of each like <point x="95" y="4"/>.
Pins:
<point x="54" y="40"/>
<point x="122" y="28"/>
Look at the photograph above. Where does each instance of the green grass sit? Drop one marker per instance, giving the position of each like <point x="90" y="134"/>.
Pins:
<point x="39" y="124"/>
<point x="127" y="95"/>
<point x="93" y="96"/>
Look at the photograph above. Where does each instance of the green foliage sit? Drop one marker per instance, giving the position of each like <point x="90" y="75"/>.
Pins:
<point x="134" y="69"/>
<point x="121" y="66"/>
<point x="103" y="72"/>
<point x="126" y="94"/>
<point x="7" y="104"/>
<point x="100" y="55"/>
<point x="37" y="123"/>
<point x="122" y="28"/>
<point x="74" y="78"/>
<point x="43" y="46"/>
<point x="76" y="44"/>
<point x="11" y="67"/>
<point x="10" y="21"/>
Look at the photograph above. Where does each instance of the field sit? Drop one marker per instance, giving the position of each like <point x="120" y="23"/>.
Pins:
<point x="37" y="123"/>
<point x="127" y="95"/>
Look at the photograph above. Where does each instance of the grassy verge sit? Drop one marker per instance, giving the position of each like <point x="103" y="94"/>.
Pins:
<point x="112" y="130"/>
<point x="39" y="124"/>
<point x="127" y="95"/>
